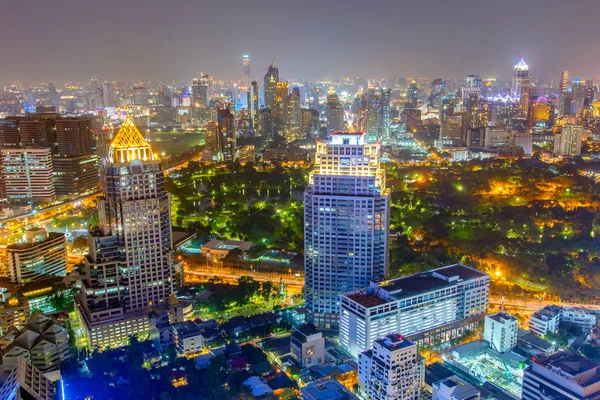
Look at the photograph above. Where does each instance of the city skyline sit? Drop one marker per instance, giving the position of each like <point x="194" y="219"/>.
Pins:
<point x="430" y="38"/>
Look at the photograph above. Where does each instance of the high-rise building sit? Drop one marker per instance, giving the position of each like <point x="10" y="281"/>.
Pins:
<point x="40" y="255"/>
<point x="293" y="116"/>
<point x="564" y="82"/>
<point x="109" y="94"/>
<point x="412" y="95"/>
<point x="563" y="375"/>
<point x="270" y="87"/>
<point x="281" y="109"/>
<point x="335" y="113"/>
<point x="201" y="91"/>
<point x="28" y="175"/>
<point x="520" y="84"/>
<point x="26" y="382"/>
<point x="246" y="65"/>
<point x="386" y="98"/>
<point x="14" y="311"/>
<point x="129" y="268"/>
<point x="140" y="95"/>
<point x="9" y="133"/>
<point x="501" y="331"/>
<point x="310" y="122"/>
<point x="36" y="131"/>
<point x="568" y="141"/>
<point x="437" y="304"/>
<point x="346" y="214"/>
<point x="226" y="133"/>
<point x="253" y="107"/>
<point x="392" y="370"/>
<point x="54" y="97"/>
<point x="74" y="136"/>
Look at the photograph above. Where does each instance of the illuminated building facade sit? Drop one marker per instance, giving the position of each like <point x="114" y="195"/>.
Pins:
<point x="28" y="174"/>
<point x="130" y="265"/>
<point x="521" y="83"/>
<point x="9" y="133"/>
<point x="226" y="134"/>
<point x="27" y="382"/>
<point x="39" y="256"/>
<point x="392" y="370"/>
<point x="246" y="65"/>
<point x="440" y="303"/>
<point x="564" y="82"/>
<point x="568" y="141"/>
<point x="346" y="213"/>
<point x="412" y="95"/>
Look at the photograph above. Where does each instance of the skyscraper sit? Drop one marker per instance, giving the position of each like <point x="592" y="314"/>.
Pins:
<point x="281" y="109"/>
<point x="346" y="210"/>
<point x="270" y="87"/>
<point x="109" y="94"/>
<point x="520" y="84"/>
<point x="568" y="141"/>
<point x="564" y="82"/>
<point x="335" y="113"/>
<point x="386" y="97"/>
<point x="293" y="115"/>
<point x="246" y="65"/>
<point x="201" y="91"/>
<point x="130" y="266"/>
<point x="253" y="107"/>
<point x="226" y="133"/>
<point x="412" y="95"/>
<point x="54" y="97"/>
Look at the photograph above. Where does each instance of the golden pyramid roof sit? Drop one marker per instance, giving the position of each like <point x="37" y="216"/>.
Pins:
<point x="129" y="144"/>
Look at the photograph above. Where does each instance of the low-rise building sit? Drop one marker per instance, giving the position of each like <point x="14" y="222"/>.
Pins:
<point x="43" y="341"/>
<point x="545" y="321"/>
<point x="307" y="346"/>
<point x="563" y="375"/>
<point x="441" y="303"/>
<point x="221" y="248"/>
<point x="328" y="389"/>
<point x="548" y="318"/>
<point x="187" y="337"/>
<point x="26" y="382"/>
<point x="454" y="388"/>
<point x="392" y="370"/>
<point x="501" y="331"/>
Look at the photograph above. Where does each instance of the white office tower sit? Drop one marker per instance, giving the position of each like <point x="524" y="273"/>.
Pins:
<point x="438" y="304"/>
<point x="346" y="209"/>
<point x="563" y="375"/>
<point x="130" y="265"/>
<point x="501" y="331"/>
<point x="568" y="141"/>
<point x="392" y="370"/>
<point x="454" y="388"/>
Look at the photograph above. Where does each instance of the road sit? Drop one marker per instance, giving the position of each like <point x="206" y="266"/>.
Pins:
<point x="534" y="305"/>
<point x="294" y="284"/>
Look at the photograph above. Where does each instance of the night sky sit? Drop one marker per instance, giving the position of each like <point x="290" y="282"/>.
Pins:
<point x="308" y="39"/>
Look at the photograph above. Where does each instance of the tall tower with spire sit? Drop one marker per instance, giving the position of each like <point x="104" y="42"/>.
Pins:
<point x="130" y="266"/>
<point x="521" y="83"/>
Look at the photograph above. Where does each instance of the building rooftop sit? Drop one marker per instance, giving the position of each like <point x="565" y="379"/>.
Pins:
<point x="187" y="329"/>
<point x="307" y="329"/>
<point x="329" y="389"/>
<point x="501" y="317"/>
<point x="430" y="280"/>
<point x="365" y="299"/>
<point x="547" y="312"/>
<point x="570" y="365"/>
<point x="394" y="341"/>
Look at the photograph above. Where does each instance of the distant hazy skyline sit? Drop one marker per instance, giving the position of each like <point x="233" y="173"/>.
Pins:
<point x="309" y="39"/>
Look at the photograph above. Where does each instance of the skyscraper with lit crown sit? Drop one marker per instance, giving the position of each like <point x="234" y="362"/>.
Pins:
<point x="521" y="83"/>
<point x="130" y="266"/>
<point x="346" y="211"/>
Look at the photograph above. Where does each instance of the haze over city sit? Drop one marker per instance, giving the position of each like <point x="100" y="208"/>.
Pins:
<point x="144" y="40"/>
